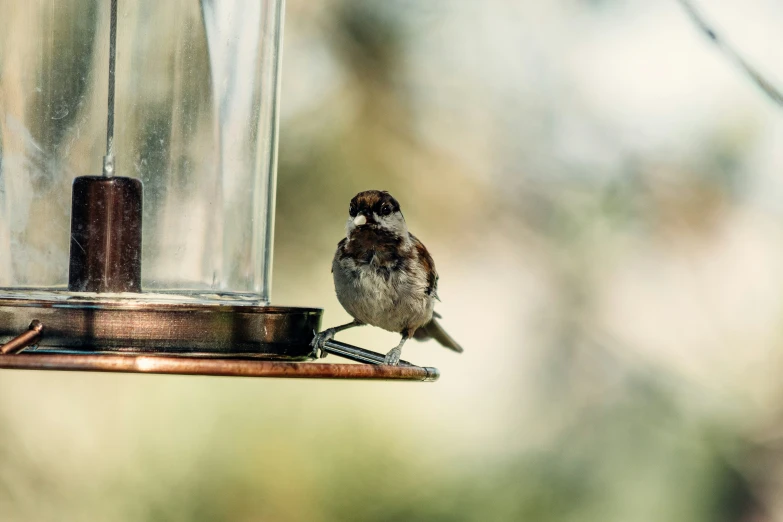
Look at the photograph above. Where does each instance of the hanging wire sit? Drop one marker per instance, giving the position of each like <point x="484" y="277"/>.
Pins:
<point x="770" y="90"/>
<point x="108" y="160"/>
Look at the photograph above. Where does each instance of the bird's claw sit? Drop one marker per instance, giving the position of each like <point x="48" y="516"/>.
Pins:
<point x="393" y="357"/>
<point x="318" y="342"/>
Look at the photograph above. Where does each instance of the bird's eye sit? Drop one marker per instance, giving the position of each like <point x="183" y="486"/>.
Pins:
<point x="386" y="210"/>
<point x="352" y="210"/>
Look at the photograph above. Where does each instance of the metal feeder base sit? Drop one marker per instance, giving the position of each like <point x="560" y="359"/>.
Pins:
<point x="207" y="330"/>
<point x="181" y="339"/>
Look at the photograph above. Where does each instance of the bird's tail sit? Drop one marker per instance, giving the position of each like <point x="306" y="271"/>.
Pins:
<point x="433" y="330"/>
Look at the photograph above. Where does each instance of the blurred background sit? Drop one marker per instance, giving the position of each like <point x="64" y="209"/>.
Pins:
<point x="601" y="190"/>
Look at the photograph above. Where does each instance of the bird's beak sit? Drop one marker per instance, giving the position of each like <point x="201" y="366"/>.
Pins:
<point x="359" y="220"/>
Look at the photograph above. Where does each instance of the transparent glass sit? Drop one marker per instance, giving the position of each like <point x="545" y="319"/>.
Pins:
<point x="196" y="113"/>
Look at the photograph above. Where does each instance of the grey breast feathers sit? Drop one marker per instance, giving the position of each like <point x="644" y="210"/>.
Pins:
<point x="388" y="289"/>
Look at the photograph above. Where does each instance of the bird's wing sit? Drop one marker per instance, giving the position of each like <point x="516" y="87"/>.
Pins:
<point x="429" y="266"/>
<point x="340" y="247"/>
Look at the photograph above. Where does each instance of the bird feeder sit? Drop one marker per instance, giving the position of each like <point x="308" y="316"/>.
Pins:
<point x="138" y="154"/>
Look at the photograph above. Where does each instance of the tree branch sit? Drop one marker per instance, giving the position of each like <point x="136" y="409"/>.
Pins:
<point x="770" y="90"/>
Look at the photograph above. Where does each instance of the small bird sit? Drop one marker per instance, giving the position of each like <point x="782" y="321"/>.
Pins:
<point x="384" y="276"/>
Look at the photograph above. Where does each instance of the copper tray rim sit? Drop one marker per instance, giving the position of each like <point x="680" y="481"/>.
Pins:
<point x="214" y="367"/>
<point x="147" y="306"/>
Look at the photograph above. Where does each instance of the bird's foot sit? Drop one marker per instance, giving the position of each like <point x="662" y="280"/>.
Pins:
<point x="393" y="357"/>
<point x="318" y="342"/>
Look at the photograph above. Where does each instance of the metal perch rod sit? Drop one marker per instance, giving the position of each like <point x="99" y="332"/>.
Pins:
<point x="355" y="353"/>
<point x="22" y="341"/>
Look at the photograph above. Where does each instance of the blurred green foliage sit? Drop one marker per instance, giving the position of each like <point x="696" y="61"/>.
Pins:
<point x="551" y="415"/>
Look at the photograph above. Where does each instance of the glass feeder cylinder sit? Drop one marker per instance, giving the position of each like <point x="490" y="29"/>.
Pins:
<point x="196" y="110"/>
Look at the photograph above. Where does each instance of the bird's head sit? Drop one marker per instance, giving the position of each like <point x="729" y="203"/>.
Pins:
<point x="375" y="210"/>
